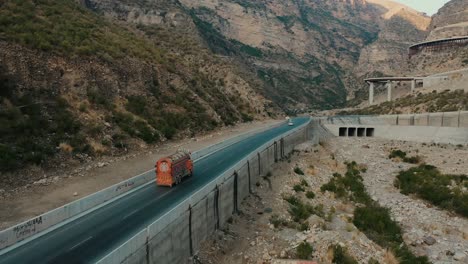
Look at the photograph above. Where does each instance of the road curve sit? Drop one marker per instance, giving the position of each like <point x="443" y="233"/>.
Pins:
<point x="92" y="236"/>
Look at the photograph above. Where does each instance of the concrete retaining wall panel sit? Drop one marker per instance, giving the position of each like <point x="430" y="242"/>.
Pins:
<point x="405" y="120"/>
<point x="264" y="162"/>
<point x="450" y="119"/>
<point x="288" y="142"/>
<point x="172" y="244"/>
<point x="463" y="119"/>
<point x="389" y="119"/>
<point x="137" y="257"/>
<point x="254" y="171"/>
<point x="421" y="120"/>
<point x="435" y="119"/>
<point x="271" y="155"/>
<point x="203" y="220"/>
<point x="226" y="201"/>
<point x="199" y="226"/>
<point x="242" y="184"/>
<point x="130" y="252"/>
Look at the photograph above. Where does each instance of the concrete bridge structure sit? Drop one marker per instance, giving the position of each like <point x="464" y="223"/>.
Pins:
<point x="438" y="45"/>
<point x="389" y="82"/>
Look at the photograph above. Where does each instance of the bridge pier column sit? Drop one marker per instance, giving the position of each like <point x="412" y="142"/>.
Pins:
<point x="371" y="93"/>
<point x="389" y="91"/>
<point x="413" y="86"/>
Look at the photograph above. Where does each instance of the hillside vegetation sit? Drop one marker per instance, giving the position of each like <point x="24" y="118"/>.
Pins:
<point x="75" y="85"/>
<point x="446" y="101"/>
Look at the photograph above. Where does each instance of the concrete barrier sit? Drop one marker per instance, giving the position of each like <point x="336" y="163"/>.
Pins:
<point x="442" y="128"/>
<point x="446" y="119"/>
<point x="177" y="234"/>
<point x="49" y="219"/>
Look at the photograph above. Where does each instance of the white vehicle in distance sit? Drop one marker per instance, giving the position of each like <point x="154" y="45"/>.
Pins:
<point x="290" y="123"/>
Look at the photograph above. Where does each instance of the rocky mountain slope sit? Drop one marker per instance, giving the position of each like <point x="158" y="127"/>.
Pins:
<point x="298" y="50"/>
<point x="400" y="27"/>
<point x="74" y="84"/>
<point x="90" y="77"/>
<point x="450" y="21"/>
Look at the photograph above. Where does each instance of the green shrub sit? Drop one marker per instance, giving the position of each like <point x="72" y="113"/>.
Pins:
<point x="304" y="183"/>
<point x="429" y="183"/>
<point x="350" y="186"/>
<point x="292" y="200"/>
<point x="298" y="188"/>
<point x="300" y="211"/>
<point x="341" y="256"/>
<point x="304" y="226"/>
<point x="276" y="221"/>
<point x="396" y="153"/>
<point x="31" y="134"/>
<point x="376" y="223"/>
<point x="298" y="170"/>
<point x="371" y="219"/>
<point x="310" y="194"/>
<point x="304" y="250"/>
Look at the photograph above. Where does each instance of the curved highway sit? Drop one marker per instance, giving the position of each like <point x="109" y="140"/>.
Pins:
<point x="92" y="236"/>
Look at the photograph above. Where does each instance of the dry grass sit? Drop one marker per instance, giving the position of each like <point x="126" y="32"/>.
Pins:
<point x="65" y="147"/>
<point x="98" y="148"/>
<point x="389" y="258"/>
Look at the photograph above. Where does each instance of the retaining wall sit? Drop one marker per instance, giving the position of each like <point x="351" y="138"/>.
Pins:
<point x="443" y="119"/>
<point x="176" y="236"/>
<point x="29" y="228"/>
<point x="448" y="127"/>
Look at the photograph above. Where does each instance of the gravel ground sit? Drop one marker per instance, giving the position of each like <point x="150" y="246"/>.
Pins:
<point x="438" y="234"/>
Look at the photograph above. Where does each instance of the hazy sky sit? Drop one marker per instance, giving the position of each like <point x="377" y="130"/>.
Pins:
<point x="428" y="6"/>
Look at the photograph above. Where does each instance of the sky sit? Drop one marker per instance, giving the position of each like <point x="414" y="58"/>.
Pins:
<point x="429" y="7"/>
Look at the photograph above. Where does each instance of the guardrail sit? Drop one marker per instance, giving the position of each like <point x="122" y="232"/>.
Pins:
<point x="35" y="226"/>
<point x="176" y="235"/>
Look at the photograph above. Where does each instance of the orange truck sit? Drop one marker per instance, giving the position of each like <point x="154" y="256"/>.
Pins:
<point x="171" y="170"/>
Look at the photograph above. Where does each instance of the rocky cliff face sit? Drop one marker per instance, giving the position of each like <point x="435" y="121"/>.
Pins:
<point x="301" y="49"/>
<point x="450" y="21"/>
<point x="400" y="27"/>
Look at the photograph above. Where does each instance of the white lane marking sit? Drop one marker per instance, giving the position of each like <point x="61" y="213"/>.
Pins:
<point x="82" y="242"/>
<point x="130" y="214"/>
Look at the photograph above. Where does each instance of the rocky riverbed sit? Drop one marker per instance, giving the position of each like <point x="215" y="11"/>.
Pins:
<point x="251" y="237"/>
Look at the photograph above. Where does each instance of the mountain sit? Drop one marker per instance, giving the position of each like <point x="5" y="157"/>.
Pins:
<point x="93" y="77"/>
<point x="400" y="27"/>
<point x="450" y="21"/>
<point x="74" y="84"/>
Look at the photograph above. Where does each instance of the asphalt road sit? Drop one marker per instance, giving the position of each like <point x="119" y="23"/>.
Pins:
<point x="92" y="236"/>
